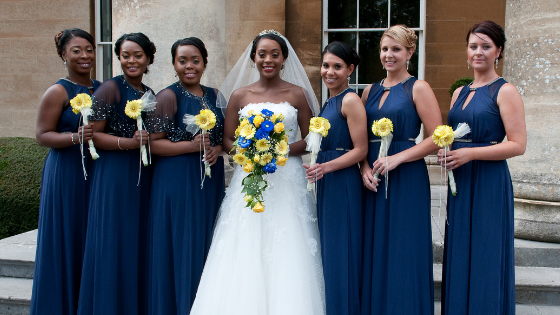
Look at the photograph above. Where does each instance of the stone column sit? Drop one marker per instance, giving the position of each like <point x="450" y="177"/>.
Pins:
<point x="532" y="64"/>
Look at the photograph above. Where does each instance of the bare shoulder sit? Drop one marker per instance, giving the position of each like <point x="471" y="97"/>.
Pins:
<point x="421" y="85"/>
<point x="55" y="94"/>
<point x="509" y="94"/>
<point x="351" y="98"/>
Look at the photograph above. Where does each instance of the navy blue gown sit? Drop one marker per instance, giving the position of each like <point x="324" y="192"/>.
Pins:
<point x="478" y="263"/>
<point x="62" y="218"/>
<point x="398" y="265"/>
<point x="340" y="214"/>
<point x="114" y="277"/>
<point x="182" y="213"/>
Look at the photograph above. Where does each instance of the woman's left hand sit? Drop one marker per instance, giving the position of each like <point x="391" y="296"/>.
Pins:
<point x="380" y="165"/>
<point x="314" y="172"/>
<point x="454" y="158"/>
<point x="212" y="154"/>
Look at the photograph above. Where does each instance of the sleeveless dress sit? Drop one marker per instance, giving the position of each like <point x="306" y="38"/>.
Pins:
<point x="114" y="277"/>
<point x="478" y="263"/>
<point x="265" y="263"/>
<point x="340" y="213"/>
<point x="62" y="218"/>
<point x="182" y="214"/>
<point x="398" y="263"/>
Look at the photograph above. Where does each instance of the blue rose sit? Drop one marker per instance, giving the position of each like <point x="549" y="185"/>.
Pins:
<point x="267" y="125"/>
<point x="243" y="142"/>
<point x="261" y="134"/>
<point x="270" y="168"/>
<point x="251" y="119"/>
<point x="266" y="112"/>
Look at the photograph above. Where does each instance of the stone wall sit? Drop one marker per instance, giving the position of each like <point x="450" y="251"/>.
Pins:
<point x="28" y="60"/>
<point x="532" y="64"/>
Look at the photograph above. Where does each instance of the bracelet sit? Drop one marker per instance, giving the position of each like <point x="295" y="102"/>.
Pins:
<point x="119" y="143"/>
<point x="72" y="135"/>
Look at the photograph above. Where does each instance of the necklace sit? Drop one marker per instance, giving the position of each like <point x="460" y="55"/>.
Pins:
<point x="388" y="88"/>
<point x="339" y="93"/>
<point x="88" y="87"/>
<point x="487" y="84"/>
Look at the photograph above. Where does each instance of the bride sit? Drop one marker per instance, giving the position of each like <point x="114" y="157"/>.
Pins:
<point x="266" y="263"/>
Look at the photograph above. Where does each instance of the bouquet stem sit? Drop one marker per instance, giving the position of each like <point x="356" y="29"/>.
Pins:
<point x="92" y="150"/>
<point x="452" y="184"/>
<point x="143" y="148"/>
<point x="207" y="169"/>
<point x="382" y="151"/>
<point x="311" y="163"/>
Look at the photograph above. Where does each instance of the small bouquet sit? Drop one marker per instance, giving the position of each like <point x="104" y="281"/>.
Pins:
<point x="261" y="145"/>
<point x="318" y="129"/>
<point x="443" y="136"/>
<point x="205" y="121"/>
<point x="134" y="110"/>
<point x="383" y="128"/>
<point x="82" y="104"/>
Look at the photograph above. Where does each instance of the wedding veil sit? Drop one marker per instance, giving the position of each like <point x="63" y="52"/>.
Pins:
<point x="244" y="73"/>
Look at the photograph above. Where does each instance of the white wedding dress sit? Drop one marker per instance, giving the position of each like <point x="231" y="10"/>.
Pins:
<point x="265" y="263"/>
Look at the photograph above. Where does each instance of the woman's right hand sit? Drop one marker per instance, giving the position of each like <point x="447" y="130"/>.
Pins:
<point x="140" y="138"/>
<point x="86" y="132"/>
<point x="199" y="144"/>
<point x="368" y="179"/>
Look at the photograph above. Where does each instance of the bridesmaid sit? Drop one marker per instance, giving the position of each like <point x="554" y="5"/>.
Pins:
<point x="115" y="272"/>
<point x="64" y="191"/>
<point x="183" y="208"/>
<point x="398" y="265"/>
<point x="478" y="265"/>
<point x="339" y="194"/>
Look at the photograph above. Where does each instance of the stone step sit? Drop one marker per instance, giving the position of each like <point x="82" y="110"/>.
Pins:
<point x="15" y="296"/>
<point x="533" y="285"/>
<point x="17" y="255"/>
<point x="520" y="309"/>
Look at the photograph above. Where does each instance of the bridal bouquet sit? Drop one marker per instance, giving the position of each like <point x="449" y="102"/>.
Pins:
<point x="82" y="104"/>
<point x="444" y="136"/>
<point x="134" y="110"/>
<point x="261" y="145"/>
<point x="205" y="121"/>
<point x="383" y="128"/>
<point x="318" y="129"/>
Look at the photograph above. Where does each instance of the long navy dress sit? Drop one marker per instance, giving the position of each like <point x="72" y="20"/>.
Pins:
<point x="62" y="218"/>
<point x="478" y="264"/>
<point x="182" y="213"/>
<point x="114" y="277"/>
<point x="340" y="214"/>
<point x="398" y="265"/>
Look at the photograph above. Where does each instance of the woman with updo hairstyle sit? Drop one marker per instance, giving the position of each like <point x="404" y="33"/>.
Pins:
<point x="478" y="257"/>
<point x="64" y="189"/>
<point x="183" y="205"/>
<point x="398" y="265"/>
<point x="114" y="277"/>
<point x="339" y="190"/>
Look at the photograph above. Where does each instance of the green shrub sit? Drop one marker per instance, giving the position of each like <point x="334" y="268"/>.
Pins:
<point x="21" y="166"/>
<point x="459" y="83"/>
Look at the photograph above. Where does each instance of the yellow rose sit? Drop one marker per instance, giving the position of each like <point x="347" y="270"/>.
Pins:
<point x="256" y="158"/>
<point x="248" y="198"/>
<point x="248" y="167"/>
<point x="241" y="150"/>
<point x="274" y="118"/>
<point x="247" y="131"/>
<point x="258" y="208"/>
<point x="251" y="113"/>
<point x="280" y="117"/>
<point x="285" y="137"/>
<point x="262" y="145"/>
<point x="240" y="159"/>
<point x="133" y="109"/>
<point x="257" y="121"/>
<point x="282" y="148"/>
<point x="281" y="161"/>
<point x="279" y="127"/>
<point x="206" y="120"/>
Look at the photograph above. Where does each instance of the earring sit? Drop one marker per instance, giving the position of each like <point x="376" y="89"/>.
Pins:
<point x="407" y="62"/>
<point x="468" y="64"/>
<point x="348" y="78"/>
<point x="65" y="68"/>
<point x="496" y="63"/>
<point x="283" y="66"/>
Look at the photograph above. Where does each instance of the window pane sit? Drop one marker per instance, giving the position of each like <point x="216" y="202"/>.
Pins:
<point x="373" y="13"/>
<point x="107" y="62"/>
<point x="342" y="14"/>
<point x="348" y="38"/>
<point x="106" y="27"/>
<point x="370" y="69"/>
<point x="405" y="12"/>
